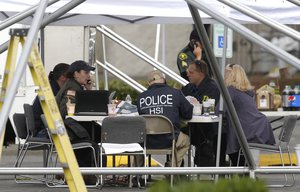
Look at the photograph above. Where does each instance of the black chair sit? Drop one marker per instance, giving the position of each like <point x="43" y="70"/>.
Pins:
<point x="281" y="147"/>
<point x="25" y="129"/>
<point x="75" y="146"/>
<point x="123" y="135"/>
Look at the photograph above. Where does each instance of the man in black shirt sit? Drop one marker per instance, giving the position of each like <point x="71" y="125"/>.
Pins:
<point x="203" y="135"/>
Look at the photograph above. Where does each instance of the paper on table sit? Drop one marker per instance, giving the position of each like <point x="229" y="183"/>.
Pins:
<point x="113" y="148"/>
<point x="192" y="100"/>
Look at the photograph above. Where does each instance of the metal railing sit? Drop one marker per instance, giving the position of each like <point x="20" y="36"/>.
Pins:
<point x="150" y="170"/>
<point x="139" y="53"/>
<point x="113" y="70"/>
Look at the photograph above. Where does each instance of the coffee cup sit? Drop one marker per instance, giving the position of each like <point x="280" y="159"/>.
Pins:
<point x="112" y="109"/>
<point x="70" y="109"/>
<point x="206" y="107"/>
<point x="197" y="110"/>
<point x="212" y="106"/>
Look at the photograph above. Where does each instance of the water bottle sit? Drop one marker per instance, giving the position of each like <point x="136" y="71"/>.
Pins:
<point x="128" y="99"/>
<point x="285" y="98"/>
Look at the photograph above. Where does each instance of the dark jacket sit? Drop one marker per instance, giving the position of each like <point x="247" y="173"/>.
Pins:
<point x="61" y="97"/>
<point x="37" y="108"/>
<point x="185" y="57"/>
<point x="76" y="131"/>
<point x="162" y="99"/>
<point x="255" y="125"/>
<point x="207" y="87"/>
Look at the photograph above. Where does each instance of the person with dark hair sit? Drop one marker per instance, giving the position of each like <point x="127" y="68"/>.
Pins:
<point x="203" y="136"/>
<point x="57" y="79"/>
<point x="79" y="78"/>
<point x="191" y="52"/>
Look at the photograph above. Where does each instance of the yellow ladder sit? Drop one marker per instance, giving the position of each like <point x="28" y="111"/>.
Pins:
<point x="8" y="74"/>
<point x="58" y="132"/>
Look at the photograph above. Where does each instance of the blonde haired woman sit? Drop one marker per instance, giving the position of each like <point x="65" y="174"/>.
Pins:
<point x="255" y="125"/>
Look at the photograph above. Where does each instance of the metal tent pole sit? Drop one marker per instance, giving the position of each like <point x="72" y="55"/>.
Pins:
<point x="212" y="60"/>
<point x="221" y="103"/>
<point x="12" y="89"/>
<point x="250" y="35"/>
<point x="263" y="19"/>
<point x="61" y="11"/>
<point x="20" y="16"/>
<point x="105" y="75"/>
<point x="296" y="2"/>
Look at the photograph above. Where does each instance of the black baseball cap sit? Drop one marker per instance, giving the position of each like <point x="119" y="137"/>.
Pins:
<point x="80" y="65"/>
<point x="194" y="35"/>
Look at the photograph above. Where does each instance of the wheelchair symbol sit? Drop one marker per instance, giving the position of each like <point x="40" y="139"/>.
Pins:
<point x="220" y="41"/>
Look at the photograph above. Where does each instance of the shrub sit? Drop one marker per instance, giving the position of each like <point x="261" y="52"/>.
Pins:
<point x="235" y="184"/>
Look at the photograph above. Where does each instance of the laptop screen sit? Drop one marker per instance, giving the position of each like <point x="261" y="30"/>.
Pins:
<point x="91" y="101"/>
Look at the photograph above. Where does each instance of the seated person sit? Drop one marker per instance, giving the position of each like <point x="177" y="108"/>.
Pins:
<point x="57" y="79"/>
<point x="79" y="78"/>
<point x="255" y="125"/>
<point x="171" y="103"/>
<point x="204" y="135"/>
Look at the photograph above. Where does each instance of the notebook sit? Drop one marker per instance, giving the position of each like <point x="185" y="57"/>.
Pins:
<point x="91" y="102"/>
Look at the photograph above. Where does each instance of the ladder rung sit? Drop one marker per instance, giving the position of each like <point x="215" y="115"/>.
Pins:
<point x="55" y="131"/>
<point x="18" y="32"/>
<point x="42" y="98"/>
<point x="64" y="165"/>
<point x="30" y="65"/>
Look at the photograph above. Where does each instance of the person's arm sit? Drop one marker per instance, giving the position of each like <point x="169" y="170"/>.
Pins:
<point x="62" y="99"/>
<point x="198" y="51"/>
<point x="186" y="108"/>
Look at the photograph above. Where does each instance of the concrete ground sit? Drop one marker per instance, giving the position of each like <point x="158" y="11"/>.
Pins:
<point x="7" y="183"/>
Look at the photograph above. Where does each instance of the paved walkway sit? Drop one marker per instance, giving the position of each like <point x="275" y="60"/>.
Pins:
<point x="7" y="183"/>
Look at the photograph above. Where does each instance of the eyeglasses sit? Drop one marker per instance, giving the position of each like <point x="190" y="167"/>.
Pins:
<point x="230" y="66"/>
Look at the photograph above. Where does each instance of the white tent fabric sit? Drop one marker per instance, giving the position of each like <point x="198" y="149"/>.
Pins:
<point x="95" y="12"/>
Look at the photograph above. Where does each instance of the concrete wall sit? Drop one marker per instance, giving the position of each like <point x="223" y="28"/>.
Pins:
<point x="66" y="44"/>
<point x="63" y="44"/>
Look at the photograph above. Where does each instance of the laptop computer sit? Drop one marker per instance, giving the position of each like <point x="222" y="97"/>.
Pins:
<point x="91" y="102"/>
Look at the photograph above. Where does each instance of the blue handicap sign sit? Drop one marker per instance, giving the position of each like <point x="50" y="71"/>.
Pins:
<point x="220" y="41"/>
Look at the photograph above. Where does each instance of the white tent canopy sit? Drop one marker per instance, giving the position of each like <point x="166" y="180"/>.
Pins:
<point x="95" y="12"/>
